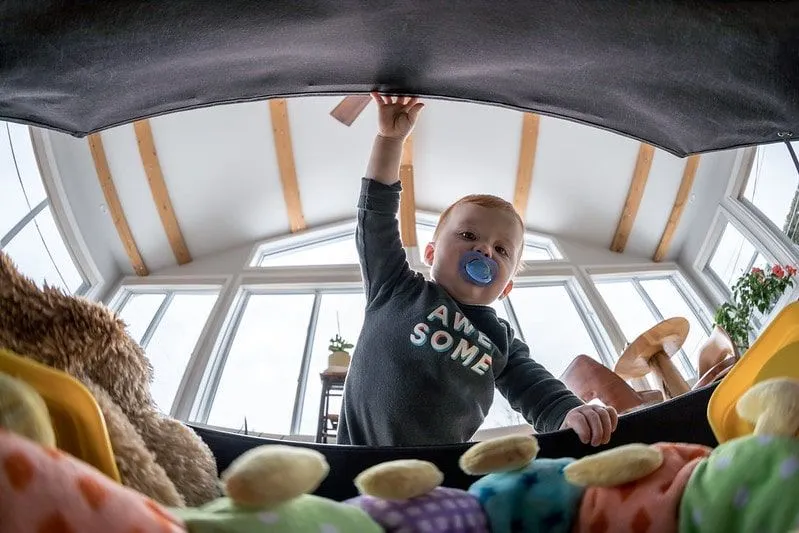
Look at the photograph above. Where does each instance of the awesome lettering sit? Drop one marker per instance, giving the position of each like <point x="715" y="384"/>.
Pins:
<point x="460" y="340"/>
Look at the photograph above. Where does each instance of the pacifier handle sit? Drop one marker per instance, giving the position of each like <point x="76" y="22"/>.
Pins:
<point x="478" y="268"/>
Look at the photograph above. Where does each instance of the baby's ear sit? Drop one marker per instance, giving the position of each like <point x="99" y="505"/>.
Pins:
<point x="429" y="252"/>
<point x="506" y="290"/>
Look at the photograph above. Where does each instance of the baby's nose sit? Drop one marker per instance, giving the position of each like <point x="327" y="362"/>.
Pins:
<point x="483" y="249"/>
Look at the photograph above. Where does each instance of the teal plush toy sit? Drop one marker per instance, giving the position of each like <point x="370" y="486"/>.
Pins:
<point x="268" y="492"/>
<point x="521" y="493"/>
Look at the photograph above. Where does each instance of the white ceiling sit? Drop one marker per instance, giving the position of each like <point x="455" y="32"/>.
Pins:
<point x="221" y="171"/>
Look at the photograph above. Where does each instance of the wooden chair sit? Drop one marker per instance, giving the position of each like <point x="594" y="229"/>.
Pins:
<point x="590" y="379"/>
<point x="716" y="349"/>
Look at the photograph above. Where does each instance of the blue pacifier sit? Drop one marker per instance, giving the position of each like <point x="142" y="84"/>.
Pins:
<point x="478" y="269"/>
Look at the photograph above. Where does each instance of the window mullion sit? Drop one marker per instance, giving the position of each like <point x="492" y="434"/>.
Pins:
<point x="590" y="324"/>
<point x="514" y="320"/>
<point x="305" y="364"/>
<point x="159" y="314"/>
<point x="19" y="226"/>
<point x="218" y="366"/>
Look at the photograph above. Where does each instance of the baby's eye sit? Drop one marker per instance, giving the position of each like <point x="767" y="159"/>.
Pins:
<point x="502" y="250"/>
<point x="468" y="235"/>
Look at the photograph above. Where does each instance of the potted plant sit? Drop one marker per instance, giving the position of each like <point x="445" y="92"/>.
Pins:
<point x="755" y="291"/>
<point x="339" y="358"/>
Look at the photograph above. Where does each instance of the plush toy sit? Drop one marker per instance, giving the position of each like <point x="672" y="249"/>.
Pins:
<point x="405" y="496"/>
<point x="155" y="454"/>
<point x="751" y="483"/>
<point x="45" y="490"/>
<point x="634" y="488"/>
<point x="521" y="493"/>
<point x="267" y="492"/>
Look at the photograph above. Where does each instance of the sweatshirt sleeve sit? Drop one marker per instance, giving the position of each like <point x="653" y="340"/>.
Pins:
<point x="384" y="265"/>
<point x="530" y="389"/>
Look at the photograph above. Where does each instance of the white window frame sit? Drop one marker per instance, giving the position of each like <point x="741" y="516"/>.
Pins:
<point x="191" y="285"/>
<point x="63" y="217"/>
<point x="766" y="237"/>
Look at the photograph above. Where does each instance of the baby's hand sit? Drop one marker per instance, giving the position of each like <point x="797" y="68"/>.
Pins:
<point x="396" y="115"/>
<point x="592" y="423"/>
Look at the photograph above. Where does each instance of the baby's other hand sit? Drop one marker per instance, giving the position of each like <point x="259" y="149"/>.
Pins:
<point x="396" y="115"/>
<point x="592" y="423"/>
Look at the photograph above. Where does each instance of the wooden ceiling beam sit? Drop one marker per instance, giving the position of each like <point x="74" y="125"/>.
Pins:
<point x="114" y="205"/>
<point x="278" y="110"/>
<point x="407" y="196"/>
<point x="643" y="164"/>
<point x="524" y="173"/>
<point x="155" y="178"/>
<point x="680" y="202"/>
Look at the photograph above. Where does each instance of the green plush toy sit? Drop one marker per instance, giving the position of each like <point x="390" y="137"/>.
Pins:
<point x="267" y="492"/>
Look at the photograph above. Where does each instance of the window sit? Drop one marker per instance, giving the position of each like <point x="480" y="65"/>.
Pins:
<point x="773" y="188"/>
<point x="262" y="364"/>
<point x="167" y="325"/>
<point x="733" y="256"/>
<point x="337" y="313"/>
<point x="554" y="329"/>
<point x="28" y="230"/>
<point x="640" y="303"/>
<point x="339" y="251"/>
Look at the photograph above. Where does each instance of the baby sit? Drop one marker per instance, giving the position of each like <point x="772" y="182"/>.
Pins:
<point x="430" y="353"/>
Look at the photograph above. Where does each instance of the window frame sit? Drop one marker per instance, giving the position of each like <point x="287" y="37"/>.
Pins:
<point x="128" y="288"/>
<point x="56" y="201"/>
<point x="745" y="217"/>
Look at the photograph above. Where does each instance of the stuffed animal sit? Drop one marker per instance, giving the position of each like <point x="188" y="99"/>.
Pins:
<point x="155" y="454"/>
<point x="406" y="496"/>
<point x="751" y="483"/>
<point x="267" y="492"/>
<point x="45" y="490"/>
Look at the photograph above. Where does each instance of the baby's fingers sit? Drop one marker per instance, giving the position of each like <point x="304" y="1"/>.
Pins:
<point x="379" y="98"/>
<point x="580" y="426"/>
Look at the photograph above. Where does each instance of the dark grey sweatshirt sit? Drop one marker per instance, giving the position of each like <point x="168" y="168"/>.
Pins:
<point x="425" y="366"/>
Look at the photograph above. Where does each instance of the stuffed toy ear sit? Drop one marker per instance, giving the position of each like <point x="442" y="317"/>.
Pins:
<point x="614" y="467"/>
<point x="268" y="476"/>
<point x="23" y="411"/>
<point x="503" y="454"/>
<point x="772" y="406"/>
<point x="399" y="480"/>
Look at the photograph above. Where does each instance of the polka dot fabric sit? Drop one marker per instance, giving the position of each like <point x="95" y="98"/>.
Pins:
<point x="749" y="484"/>
<point x="648" y="505"/>
<point x="43" y="490"/>
<point x="443" y="510"/>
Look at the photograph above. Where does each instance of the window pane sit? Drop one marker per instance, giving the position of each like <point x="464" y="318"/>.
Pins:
<point x="42" y="255"/>
<point x="259" y="380"/>
<point x="173" y="342"/>
<point x="139" y="311"/>
<point x="733" y="256"/>
<point x="27" y="166"/>
<point x="552" y="326"/>
<point x="536" y="253"/>
<point x="772" y="187"/>
<point x="632" y="314"/>
<point x="671" y="303"/>
<point x="13" y="205"/>
<point x="337" y="312"/>
<point x="338" y="252"/>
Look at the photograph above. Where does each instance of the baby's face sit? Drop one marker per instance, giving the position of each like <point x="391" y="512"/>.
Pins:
<point x="492" y="232"/>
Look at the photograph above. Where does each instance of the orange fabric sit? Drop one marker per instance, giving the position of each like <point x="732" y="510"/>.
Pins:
<point x="649" y="505"/>
<point x="43" y="490"/>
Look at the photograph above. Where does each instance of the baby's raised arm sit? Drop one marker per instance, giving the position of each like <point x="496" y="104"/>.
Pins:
<point x="384" y="266"/>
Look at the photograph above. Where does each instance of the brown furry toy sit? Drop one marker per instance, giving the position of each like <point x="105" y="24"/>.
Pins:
<point x="155" y="454"/>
